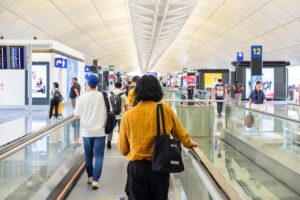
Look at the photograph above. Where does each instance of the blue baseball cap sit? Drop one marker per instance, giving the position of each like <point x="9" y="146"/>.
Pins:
<point x="92" y="80"/>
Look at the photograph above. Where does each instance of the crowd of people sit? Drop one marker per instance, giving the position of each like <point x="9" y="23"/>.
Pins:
<point x="134" y="107"/>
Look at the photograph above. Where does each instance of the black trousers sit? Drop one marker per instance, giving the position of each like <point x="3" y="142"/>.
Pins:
<point x="53" y="104"/>
<point x="219" y="105"/>
<point x="145" y="184"/>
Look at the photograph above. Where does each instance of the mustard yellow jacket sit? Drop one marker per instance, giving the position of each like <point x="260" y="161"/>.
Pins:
<point x="131" y="97"/>
<point x="138" y="129"/>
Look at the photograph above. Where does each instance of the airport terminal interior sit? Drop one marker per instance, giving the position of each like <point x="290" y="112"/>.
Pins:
<point x="229" y="71"/>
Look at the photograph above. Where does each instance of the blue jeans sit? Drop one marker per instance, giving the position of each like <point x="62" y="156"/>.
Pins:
<point x="94" y="147"/>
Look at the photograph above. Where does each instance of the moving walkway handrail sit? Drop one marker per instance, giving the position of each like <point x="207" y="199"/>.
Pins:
<point x="262" y="112"/>
<point x="13" y="147"/>
<point x="224" y="188"/>
<point x="195" y="100"/>
<point x="293" y="104"/>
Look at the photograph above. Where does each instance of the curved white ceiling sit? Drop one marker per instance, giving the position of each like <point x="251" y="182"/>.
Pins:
<point x="205" y="34"/>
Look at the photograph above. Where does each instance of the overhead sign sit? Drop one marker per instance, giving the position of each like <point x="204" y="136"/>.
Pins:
<point x="3" y="57"/>
<point x="60" y="62"/>
<point x="111" y="68"/>
<point x="17" y="57"/>
<point x="256" y="51"/>
<point x="87" y="69"/>
<point x="240" y="57"/>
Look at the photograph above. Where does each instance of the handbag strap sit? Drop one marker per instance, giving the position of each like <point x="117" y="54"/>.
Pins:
<point x="160" y="113"/>
<point x="106" y="101"/>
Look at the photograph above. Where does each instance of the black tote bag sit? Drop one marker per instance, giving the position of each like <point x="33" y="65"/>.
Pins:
<point x="167" y="151"/>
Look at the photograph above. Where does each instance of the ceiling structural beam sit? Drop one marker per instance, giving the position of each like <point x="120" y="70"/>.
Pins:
<point x="168" y="18"/>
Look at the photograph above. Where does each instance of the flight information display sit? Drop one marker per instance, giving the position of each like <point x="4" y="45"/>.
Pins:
<point x="3" y="57"/>
<point x="17" y="57"/>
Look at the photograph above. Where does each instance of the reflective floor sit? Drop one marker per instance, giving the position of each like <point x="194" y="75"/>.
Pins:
<point x="15" y="123"/>
<point x="246" y="177"/>
<point x="24" y="173"/>
<point x="189" y="184"/>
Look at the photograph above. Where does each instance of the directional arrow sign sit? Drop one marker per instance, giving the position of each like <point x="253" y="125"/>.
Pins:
<point x="60" y="63"/>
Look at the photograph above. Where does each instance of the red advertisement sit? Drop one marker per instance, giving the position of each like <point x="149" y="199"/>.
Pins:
<point x="191" y="79"/>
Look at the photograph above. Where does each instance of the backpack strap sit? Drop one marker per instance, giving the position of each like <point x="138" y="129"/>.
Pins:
<point x="121" y="93"/>
<point x="106" y="101"/>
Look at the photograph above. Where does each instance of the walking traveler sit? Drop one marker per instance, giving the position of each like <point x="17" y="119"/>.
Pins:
<point x="75" y="91"/>
<point x="257" y="98"/>
<point x="190" y="90"/>
<point x="219" y="92"/>
<point x="56" y="98"/>
<point x="118" y="101"/>
<point x="92" y="112"/>
<point x="131" y="98"/>
<point x="136" y="141"/>
<point x="238" y="89"/>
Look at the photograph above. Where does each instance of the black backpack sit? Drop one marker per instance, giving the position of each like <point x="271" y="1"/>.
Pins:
<point x="111" y="117"/>
<point x="116" y="103"/>
<point x="57" y="96"/>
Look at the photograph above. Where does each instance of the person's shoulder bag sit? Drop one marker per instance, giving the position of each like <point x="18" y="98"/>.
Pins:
<point x="111" y="118"/>
<point x="167" y="151"/>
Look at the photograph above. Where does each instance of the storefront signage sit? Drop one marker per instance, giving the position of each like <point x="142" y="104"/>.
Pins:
<point x="17" y="57"/>
<point x="60" y="63"/>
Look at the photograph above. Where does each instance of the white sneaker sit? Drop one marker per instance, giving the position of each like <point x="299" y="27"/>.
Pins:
<point x="95" y="185"/>
<point x="90" y="180"/>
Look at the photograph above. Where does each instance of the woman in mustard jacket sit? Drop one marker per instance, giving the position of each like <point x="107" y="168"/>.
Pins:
<point x="138" y="130"/>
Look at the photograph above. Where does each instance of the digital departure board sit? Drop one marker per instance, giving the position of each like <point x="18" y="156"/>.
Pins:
<point x="3" y="57"/>
<point x="17" y="57"/>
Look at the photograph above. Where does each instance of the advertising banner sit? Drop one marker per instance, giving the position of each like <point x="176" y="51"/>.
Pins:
<point x="39" y="81"/>
<point x="191" y="78"/>
<point x="211" y="79"/>
<point x="72" y="71"/>
<point x="267" y="80"/>
<point x="111" y="71"/>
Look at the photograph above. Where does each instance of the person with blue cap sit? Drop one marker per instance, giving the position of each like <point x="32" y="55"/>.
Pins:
<point x="91" y="110"/>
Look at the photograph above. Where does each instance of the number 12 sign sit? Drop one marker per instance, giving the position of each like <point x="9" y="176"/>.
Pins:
<point x="256" y="51"/>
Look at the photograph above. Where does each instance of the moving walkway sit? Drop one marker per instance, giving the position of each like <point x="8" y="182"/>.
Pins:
<point x="49" y="164"/>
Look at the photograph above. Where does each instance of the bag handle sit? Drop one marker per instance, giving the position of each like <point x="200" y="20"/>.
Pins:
<point x="106" y="101"/>
<point x="160" y="113"/>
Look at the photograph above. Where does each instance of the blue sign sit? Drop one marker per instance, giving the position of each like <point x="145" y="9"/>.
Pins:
<point x="256" y="51"/>
<point x="17" y="57"/>
<point x="60" y="63"/>
<point x="240" y="56"/>
<point x="87" y="69"/>
<point x="3" y="57"/>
